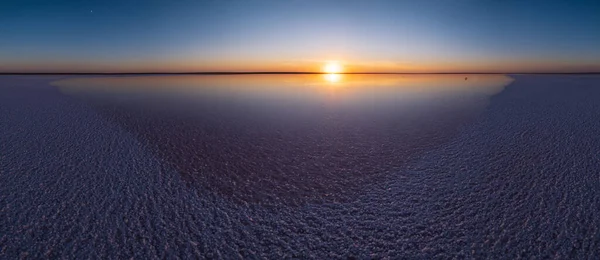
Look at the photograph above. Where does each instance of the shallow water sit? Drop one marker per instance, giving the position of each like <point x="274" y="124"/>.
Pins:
<point x="397" y="167"/>
<point x="287" y="138"/>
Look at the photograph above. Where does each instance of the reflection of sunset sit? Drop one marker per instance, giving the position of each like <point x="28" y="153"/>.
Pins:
<point x="333" y="78"/>
<point x="279" y="87"/>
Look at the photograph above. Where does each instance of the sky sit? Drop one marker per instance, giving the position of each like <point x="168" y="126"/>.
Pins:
<point x="299" y="35"/>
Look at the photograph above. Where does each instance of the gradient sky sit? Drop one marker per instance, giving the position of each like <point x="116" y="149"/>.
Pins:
<point x="299" y="35"/>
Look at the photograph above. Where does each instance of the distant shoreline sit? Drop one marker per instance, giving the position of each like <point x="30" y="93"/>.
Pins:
<point x="296" y="73"/>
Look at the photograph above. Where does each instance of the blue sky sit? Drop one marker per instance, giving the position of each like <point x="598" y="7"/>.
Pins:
<point x="299" y="35"/>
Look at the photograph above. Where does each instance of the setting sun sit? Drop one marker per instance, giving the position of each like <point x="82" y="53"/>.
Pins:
<point x="332" y="67"/>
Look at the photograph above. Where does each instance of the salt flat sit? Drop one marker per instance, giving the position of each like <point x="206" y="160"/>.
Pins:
<point x="510" y="172"/>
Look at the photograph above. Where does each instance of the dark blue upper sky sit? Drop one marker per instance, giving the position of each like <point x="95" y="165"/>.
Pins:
<point x="243" y="35"/>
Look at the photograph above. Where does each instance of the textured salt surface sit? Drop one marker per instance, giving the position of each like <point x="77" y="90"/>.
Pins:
<point x="521" y="181"/>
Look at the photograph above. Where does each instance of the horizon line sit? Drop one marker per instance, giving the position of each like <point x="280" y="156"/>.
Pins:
<point x="285" y="73"/>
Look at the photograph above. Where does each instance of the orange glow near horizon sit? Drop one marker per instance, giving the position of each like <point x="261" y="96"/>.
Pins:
<point x="349" y="65"/>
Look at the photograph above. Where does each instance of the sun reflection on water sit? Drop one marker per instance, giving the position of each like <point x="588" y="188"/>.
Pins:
<point x="332" y="77"/>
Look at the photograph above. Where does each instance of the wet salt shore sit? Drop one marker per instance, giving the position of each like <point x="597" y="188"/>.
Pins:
<point x="519" y="178"/>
